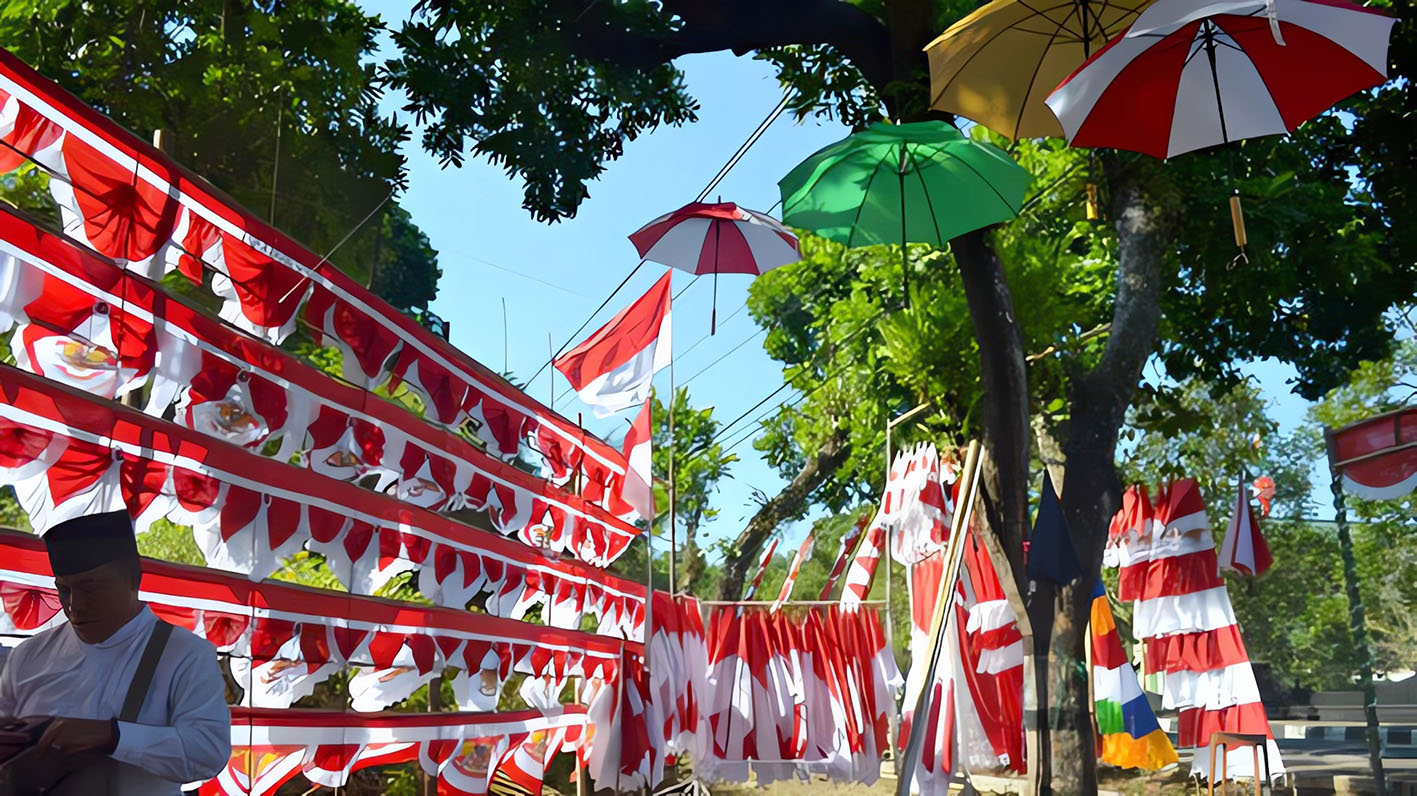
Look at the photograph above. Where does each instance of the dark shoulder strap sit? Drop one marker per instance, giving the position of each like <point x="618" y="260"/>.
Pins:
<point x="143" y="677"/>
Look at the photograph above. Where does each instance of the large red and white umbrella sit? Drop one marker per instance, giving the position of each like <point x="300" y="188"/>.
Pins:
<point x="720" y="238"/>
<point x="1189" y="75"/>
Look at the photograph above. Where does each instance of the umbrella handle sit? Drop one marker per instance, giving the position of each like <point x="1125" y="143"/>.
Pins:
<point x="1237" y="219"/>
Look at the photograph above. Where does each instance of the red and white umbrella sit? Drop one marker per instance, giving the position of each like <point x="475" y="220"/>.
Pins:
<point x="704" y="238"/>
<point x="1189" y="75"/>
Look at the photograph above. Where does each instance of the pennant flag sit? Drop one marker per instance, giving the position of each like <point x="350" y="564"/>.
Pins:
<point x="848" y="544"/>
<point x="1244" y="549"/>
<point x="762" y="569"/>
<point x="612" y="369"/>
<point x="863" y="567"/>
<point x="1131" y="736"/>
<point x="1050" y="546"/>
<point x="804" y="553"/>
<point x="638" y="490"/>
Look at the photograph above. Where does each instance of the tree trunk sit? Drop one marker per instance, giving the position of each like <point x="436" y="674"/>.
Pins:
<point x="1100" y="398"/>
<point x="778" y="509"/>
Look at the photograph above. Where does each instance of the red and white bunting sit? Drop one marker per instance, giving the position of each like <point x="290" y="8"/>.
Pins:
<point x="612" y="369"/>
<point x="132" y="203"/>
<point x="283" y="640"/>
<point x="94" y="327"/>
<point x="804" y="553"/>
<point x="793" y="695"/>
<point x="67" y="454"/>
<point x="1183" y="617"/>
<point x="269" y="748"/>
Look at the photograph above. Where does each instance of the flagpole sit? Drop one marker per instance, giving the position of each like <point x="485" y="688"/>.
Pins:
<point x="673" y="492"/>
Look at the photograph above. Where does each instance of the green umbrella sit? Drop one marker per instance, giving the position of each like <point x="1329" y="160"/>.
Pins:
<point x="922" y="182"/>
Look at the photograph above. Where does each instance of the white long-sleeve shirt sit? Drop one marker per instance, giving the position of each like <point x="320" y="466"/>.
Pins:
<point x="183" y="731"/>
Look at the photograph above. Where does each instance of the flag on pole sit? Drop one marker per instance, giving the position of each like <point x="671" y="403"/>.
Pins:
<point x="638" y="489"/>
<point x="613" y="368"/>
<point x="762" y="569"/>
<point x="848" y="545"/>
<point x="1244" y="549"/>
<point x="804" y="553"/>
<point x="863" y="567"/>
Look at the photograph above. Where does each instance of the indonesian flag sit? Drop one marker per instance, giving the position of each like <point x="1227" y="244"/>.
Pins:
<point x="1244" y="549"/>
<point x="612" y="369"/>
<point x="638" y="489"/>
<point x="762" y="570"/>
<point x="804" y="553"/>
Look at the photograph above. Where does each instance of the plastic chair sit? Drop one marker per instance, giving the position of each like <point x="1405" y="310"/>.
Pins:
<point x="1224" y="740"/>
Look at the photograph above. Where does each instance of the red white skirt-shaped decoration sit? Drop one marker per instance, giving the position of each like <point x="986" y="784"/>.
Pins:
<point x="1183" y="618"/>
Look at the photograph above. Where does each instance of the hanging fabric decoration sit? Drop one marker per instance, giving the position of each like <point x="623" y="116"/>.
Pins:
<point x="638" y="491"/>
<point x="678" y="683"/>
<point x="1183" y="617"/>
<point x="282" y="640"/>
<point x="1244" y="549"/>
<point x="269" y="748"/>
<point x="132" y="203"/>
<point x="863" y="567"/>
<point x="1130" y="735"/>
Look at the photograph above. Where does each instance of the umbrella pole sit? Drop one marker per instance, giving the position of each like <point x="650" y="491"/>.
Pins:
<point x="713" y="313"/>
<point x="904" y="256"/>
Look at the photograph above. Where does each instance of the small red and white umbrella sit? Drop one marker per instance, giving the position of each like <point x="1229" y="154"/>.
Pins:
<point x="704" y="238"/>
<point x="1189" y="75"/>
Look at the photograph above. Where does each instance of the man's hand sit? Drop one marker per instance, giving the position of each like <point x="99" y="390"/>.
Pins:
<point x="67" y="737"/>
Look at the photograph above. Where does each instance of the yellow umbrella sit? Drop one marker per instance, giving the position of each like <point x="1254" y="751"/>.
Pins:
<point x="997" y="65"/>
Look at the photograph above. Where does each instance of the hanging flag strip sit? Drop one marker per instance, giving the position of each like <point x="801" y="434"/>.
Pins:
<point x="762" y="570"/>
<point x="678" y="679"/>
<point x="465" y="751"/>
<point x="132" y="203"/>
<point x="1131" y="736"/>
<point x="843" y="556"/>
<point x="1377" y="457"/>
<point x="804" y="553"/>
<point x="67" y="454"/>
<point x="1183" y="616"/>
<point x="796" y="693"/>
<point x="1244" y="549"/>
<point x="86" y="323"/>
<point x="282" y="640"/>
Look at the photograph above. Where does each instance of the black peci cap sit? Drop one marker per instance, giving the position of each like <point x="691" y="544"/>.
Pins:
<point x="80" y="544"/>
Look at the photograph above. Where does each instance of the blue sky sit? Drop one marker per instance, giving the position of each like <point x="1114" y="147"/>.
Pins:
<point x="551" y="276"/>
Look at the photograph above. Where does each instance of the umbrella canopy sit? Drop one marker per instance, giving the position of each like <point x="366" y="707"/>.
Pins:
<point x="718" y="238"/>
<point x="922" y="182"/>
<point x="1191" y="75"/>
<point x="997" y="65"/>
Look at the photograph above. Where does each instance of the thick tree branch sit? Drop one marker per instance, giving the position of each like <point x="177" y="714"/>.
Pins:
<point x="739" y="26"/>
<point x="778" y="509"/>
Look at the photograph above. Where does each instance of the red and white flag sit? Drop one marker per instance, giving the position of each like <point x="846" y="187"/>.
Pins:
<point x="638" y="489"/>
<point x="863" y="568"/>
<point x="762" y="569"/>
<point x="804" y="553"/>
<point x="613" y="368"/>
<point x="1244" y="549"/>
<point x="848" y="545"/>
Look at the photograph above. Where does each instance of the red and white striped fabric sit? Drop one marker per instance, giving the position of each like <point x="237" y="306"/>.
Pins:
<point x="282" y="640"/>
<point x="804" y="553"/>
<point x="678" y="681"/>
<point x="132" y="203"/>
<point x="638" y="492"/>
<point x="94" y="327"/>
<point x="849" y="541"/>
<point x="269" y="748"/>
<point x="1187" y="75"/>
<point x="762" y="570"/>
<point x="796" y="694"/>
<point x="612" y="369"/>
<point x="1183" y="617"/>
<point x="67" y="454"/>
<point x="1376" y="457"/>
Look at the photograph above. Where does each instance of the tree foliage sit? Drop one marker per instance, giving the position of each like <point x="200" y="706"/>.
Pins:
<point x="699" y="463"/>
